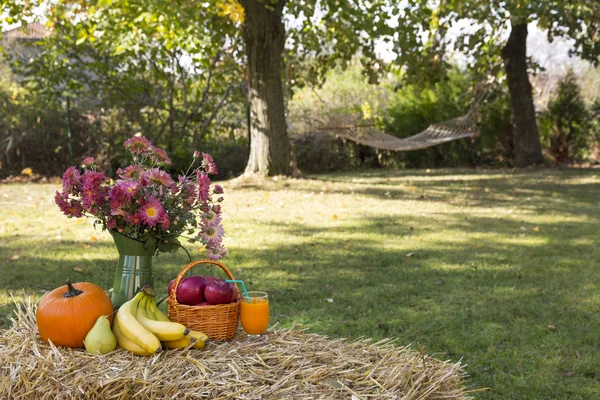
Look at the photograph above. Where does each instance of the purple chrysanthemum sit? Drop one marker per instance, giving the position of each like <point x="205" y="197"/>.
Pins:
<point x="212" y="235"/>
<point x="216" y="253"/>
<point x="203" y="186"/>
<point x="159" y="177"/>
<point x="160" y="156"/>
<point x="138" y="145"/>
<point x="70" y="180"/>
<point x="152" y="212"/>
<point x="208" y="164"/>
<point x="210" y="218"/>
<point x="88" y="162"/>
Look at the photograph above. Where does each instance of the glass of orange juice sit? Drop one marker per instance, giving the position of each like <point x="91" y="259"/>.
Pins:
<point x="254" y="313"/>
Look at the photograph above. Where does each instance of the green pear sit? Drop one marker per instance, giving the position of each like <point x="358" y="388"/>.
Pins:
<point x="100" y="339"/>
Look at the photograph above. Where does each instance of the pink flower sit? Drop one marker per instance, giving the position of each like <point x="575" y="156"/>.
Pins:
<point x="216" y="209"/>
<point x="165" y="222"/>
<point x="159" y="177"/>
<point x="138" y="145"/>
<point x="70" y="180"/>
<point x="71" y="208"/>
<point x="203" y="186"/>
<point x="160" y="156"/>
<point x="135" y="219"/>
<point x="212" y="235"/>
<point x="196" y="154"/>
<point x="131" y="172"/>
<point x="210" y="218"/>
<point x="118" y="199"/>
<point x="218" y="189"/>
<point x="111" y="223"/>
<point x="152" y="212"/>
<point x="128" y="188"/>
<point x="208" y="164"/>
<point x="216" y="253"/>
<point x="88" y="162"/>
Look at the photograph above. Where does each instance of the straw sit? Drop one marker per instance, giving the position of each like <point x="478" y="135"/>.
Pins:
<point x="293" y="365"/>
<point x="243" y="287"/>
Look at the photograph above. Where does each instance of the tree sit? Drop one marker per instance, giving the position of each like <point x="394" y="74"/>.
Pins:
<point x="566" y="124"/>
<point x="170" y="76"/>
<point x="326" y="32"/>
<point x="578" y="20"/>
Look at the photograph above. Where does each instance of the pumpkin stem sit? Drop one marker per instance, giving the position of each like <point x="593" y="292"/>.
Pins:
<point x="72" y="291"/>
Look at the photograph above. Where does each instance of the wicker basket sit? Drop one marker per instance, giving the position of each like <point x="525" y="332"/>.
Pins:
<point x="218" y="322"/>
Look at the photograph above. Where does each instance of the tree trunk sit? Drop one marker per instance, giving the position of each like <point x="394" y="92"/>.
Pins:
<point x="526" y="138"/>
<point x="264" y="36"/>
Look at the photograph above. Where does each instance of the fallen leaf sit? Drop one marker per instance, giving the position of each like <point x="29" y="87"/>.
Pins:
<point x="438" y="282"/>
<point x="93" y="238"/>
<point x="474" y="187"/>
<point x="523" y="228"/>
<point x="78" y="269"/>
<point x="58" y="237"/>
<point x="551" y="326"/>
<point x="330" y="300"/>
<point x="15" y="257"/>
<point x="334" y="216"/>
<point x="413" y="188"/>
<point x="537" y="229"/>
<point x="480" y="245"/>
<point x="410" y="254"/>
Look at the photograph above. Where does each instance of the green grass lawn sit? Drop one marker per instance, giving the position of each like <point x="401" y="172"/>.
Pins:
<point x="499" y="270"/>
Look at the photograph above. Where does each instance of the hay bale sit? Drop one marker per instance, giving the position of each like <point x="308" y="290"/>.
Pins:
<point x="291" y="365"/>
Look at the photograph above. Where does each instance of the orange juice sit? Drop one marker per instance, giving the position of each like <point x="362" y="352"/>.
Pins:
<point x="255" y="315"/>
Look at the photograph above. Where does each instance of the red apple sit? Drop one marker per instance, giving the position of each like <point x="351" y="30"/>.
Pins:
<point x="210" y="278"/>
<point x="204" y="303"/>
<point x="191" y="290"/>
<point x="171" y="286"/>
<point x="218" y="292"/>
<point x="234" y="294"/>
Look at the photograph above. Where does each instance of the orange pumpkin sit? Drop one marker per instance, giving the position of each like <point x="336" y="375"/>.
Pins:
<point x="66" y="314"/>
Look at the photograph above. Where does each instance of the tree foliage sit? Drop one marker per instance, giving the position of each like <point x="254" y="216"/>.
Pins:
<point x="566" y="125"/>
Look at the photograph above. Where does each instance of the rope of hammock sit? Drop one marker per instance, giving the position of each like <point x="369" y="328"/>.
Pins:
<point x="435" y="134"/>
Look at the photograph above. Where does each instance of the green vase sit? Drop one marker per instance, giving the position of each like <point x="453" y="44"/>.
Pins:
<point x="134" y="269"/>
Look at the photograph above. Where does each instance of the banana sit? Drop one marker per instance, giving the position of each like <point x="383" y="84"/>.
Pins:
<point x="178" y="344"/>
<point x="200" y="339"/>
<point x="131" y="327"/>
<point x="154" y="312"/>
<point x="164" y="331"/>
<point x="126" y="343"/>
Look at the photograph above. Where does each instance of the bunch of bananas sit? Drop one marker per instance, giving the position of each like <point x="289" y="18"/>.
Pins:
<point x="143" y="329"/>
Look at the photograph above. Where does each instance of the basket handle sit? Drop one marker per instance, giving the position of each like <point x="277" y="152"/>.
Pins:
<point x="173" y="295"/>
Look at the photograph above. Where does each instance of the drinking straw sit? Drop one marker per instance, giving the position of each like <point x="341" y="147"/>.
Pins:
<point x="243" y="287"/>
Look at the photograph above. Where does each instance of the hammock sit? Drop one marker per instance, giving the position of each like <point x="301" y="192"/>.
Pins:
<point x="435" y="134"/>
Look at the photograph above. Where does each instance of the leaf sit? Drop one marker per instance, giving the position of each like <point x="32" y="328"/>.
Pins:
<point x="93" y="238"/>
<point x="330" y="301"/>
<point x="78" y="269"/>
<point x="15" y="257"/>
<point x="409" y="255"/>
<point x="536" y="229"/>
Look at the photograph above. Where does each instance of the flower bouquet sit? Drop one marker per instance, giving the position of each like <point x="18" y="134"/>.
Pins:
<point x="145" y="210"/>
